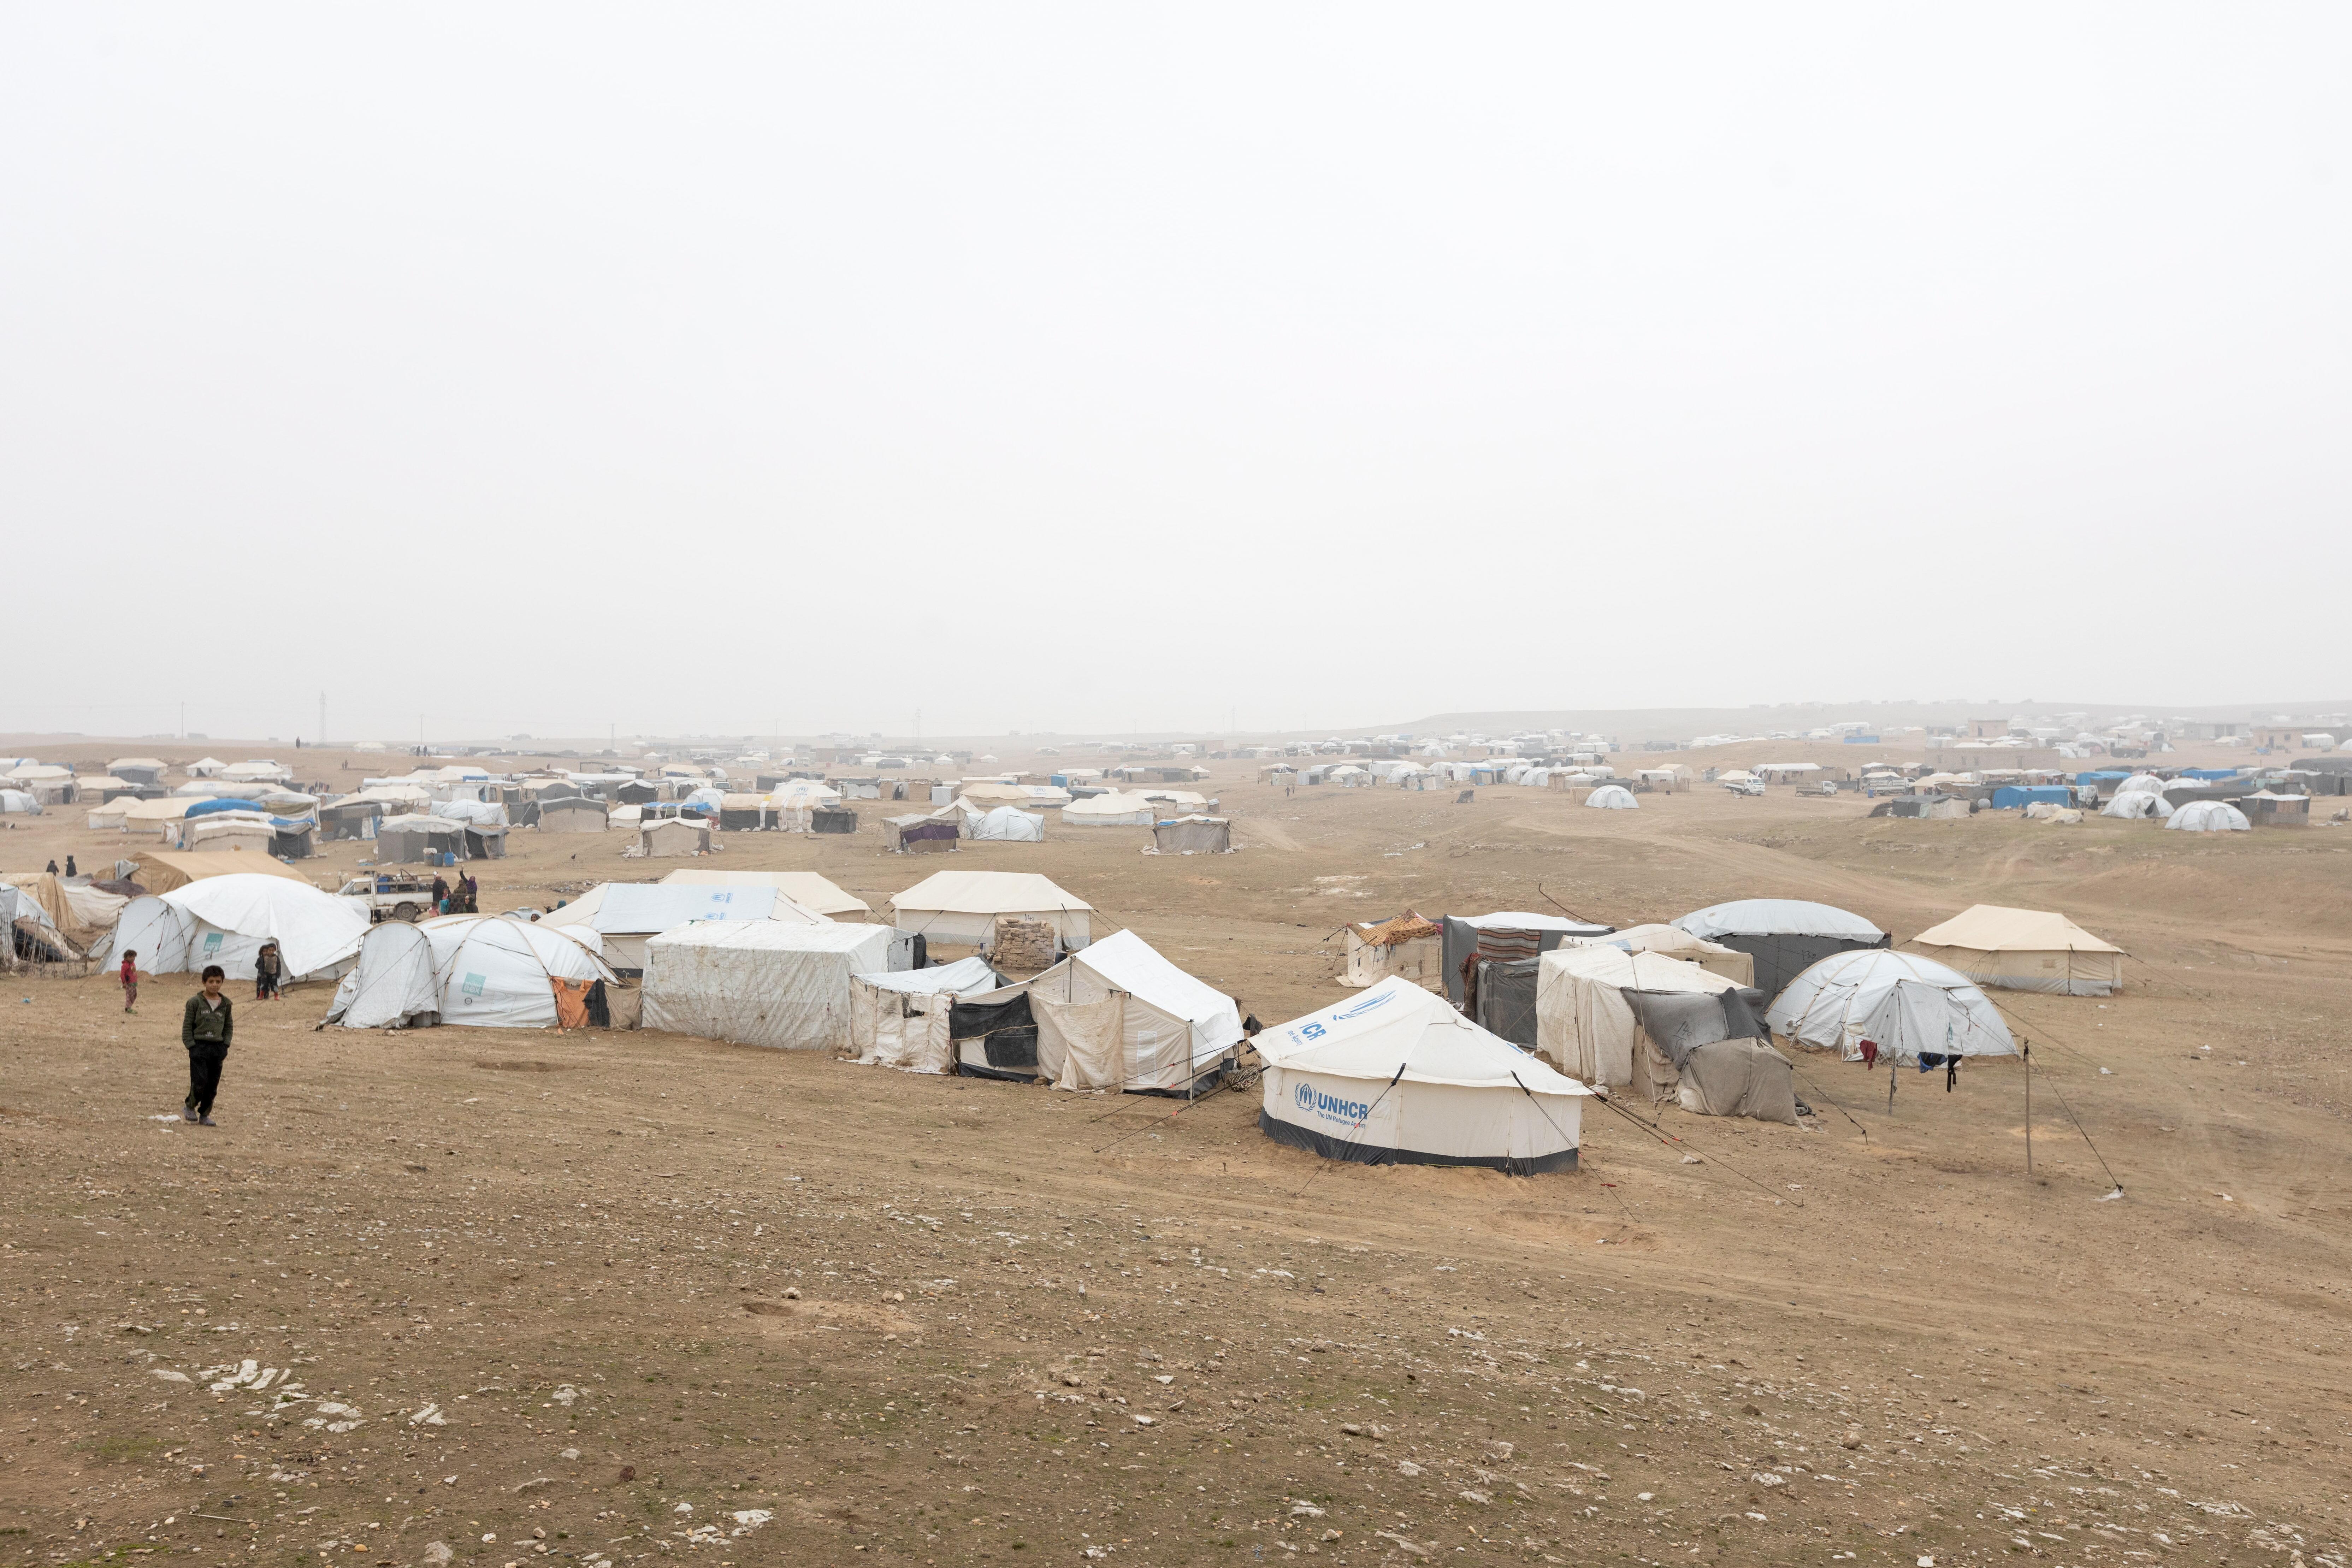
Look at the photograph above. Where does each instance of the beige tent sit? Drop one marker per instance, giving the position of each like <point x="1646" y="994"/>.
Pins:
<point x="1734" y="965"/>
<point x="226" y="833"/>
<point x="80" y="914"/>
<point x="992" y="792"/>
<point x="2025" y="950"/>
<point x="961" y="907"/>
<point x="1584" y="1023"/>
<point x="674" y="836"/>
<point x="804" y="888"/>
<point x="573" y="814"/>
<point x="161" y="870"/>
<point x="1408" y="947"/>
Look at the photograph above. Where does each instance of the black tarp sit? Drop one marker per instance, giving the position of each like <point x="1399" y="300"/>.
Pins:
<point x="1458" y="946"/>
<point x="635" y="793"/>
<point x="1506" y="1000"/>
<point x="833" y="819"/>
<point x="1677" y="1022"/>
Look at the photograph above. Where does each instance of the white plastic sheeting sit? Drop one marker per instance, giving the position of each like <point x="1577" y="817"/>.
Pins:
<point x="1776" y="917"/>
<point x="1583" y="1019"/>
<point x="485" y="972"/>
<point x="2139" y="805"/>
<point x="901" y="1020"/>
<point x="1397" y="1076"/>
<point x="1901" y="1001"/>
<point x="626" y="913"/>
<point x="1613" y="797"/>
<point x="393" y="983"/>
<point x="1008" y="824"/>
<point x="760" y="982"/>
<point x="225" y="921"/>
<point x="1120" y="1016"/>
<point x="806" y="888"/>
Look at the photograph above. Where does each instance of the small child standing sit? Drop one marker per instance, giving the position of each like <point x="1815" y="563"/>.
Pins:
<point x="130" y="982"/>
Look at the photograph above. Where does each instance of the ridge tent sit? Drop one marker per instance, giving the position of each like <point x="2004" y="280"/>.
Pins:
<point x="2025" y="950"/>
<point x="1902" y="1003"/>
<point x="1194" y="835"/>
<point x="2208" y="816"/>
<point x="1734" y="965"/>
<point x="806" y="888"/>
<point x="408" y="839"/>
<point x="1010" y="825"/>
<point x="962" y="908"/>
<point x="762" y="983"/>
<point x="988" y="793"/>
<point x="573" y="813"/>
<point x="1582" y="1020"/>
<point x="1783" y="935"/>
<point x="626" y="915"/>
<point x="1408" y="947"/>
<point x="226" y="835"/>
<point x="468" y="970"/>
<point x="673" y="836"/>
<point x="81" y="915"/>
<point x="224" y="920"/>
<point x="1120" y="1016"/>
<point x="1396" y="1077"/>
<point x="901" y="1020"/>
<point x="923" y="833"/>
<point x="1110" y="809"/>
<point x="164" y="870"/>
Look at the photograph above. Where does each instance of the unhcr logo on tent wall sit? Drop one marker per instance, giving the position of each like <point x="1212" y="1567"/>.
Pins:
<point x="1351" y="1111"/>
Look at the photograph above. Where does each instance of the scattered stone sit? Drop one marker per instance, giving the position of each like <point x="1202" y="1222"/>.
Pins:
<point x="1303" y="1510"/>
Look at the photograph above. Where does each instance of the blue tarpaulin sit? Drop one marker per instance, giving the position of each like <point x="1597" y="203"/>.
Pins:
<point x="2009" y="796"/>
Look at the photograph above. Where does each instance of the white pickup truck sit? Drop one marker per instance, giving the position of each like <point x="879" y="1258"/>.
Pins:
<point x="400" y="895"/>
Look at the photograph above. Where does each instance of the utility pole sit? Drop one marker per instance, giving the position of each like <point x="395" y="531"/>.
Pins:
<point x="323" y="717"/>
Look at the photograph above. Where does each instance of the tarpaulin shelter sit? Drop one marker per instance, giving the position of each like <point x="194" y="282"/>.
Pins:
<point x="901" y="1020"/>
<point x="674" y="836"/>
<point x="807" y="889"/>
<point x="224" y="920"/>
<point x="573" y="813"/>
<point x="470" y="971"/>
<point x="2208" y="817"/>
<point x="409" y="838"/>
<point x="1783" y="935"/>
<point x="161" y="870"/>
<point x="1396" y="1077"/>
<point x="626" y="915"/>
<point x="962" y="908"/>
<point x="1502" y="937"/>
<point x="80" y="914"/>
<point x="763" y="982"/>
<point x="2008" y="797"/>
<point x="1408" y="947"/>
<point x="1905" y="1006"/>
<point x="1120" y="1016"/>
<point x="1583" y="1019"/>
<point x="2025" y="950"/>
<point x="923" y="833"/>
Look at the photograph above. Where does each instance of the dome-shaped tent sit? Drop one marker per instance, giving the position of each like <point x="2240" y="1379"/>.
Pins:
<point x="1613" y="797"/>
<point x="2137" y="806"/>
<point x="2208" y="816"/>
<point x="487" y="971"/>
<point x="1783" y="935"/>
<point x="1902" y="1003"/>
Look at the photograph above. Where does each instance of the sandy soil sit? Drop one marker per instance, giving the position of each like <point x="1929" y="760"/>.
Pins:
<point x="612" y="1297"/>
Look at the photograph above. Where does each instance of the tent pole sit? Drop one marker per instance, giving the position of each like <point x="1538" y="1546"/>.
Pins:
<point x="1894" y="1071"/>
<point x="2028" y="1048"/>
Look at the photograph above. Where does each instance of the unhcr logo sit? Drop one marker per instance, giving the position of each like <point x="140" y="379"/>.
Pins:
<point x="1309" y="1097"/>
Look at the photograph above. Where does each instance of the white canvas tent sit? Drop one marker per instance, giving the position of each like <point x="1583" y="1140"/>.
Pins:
<point x="1396" y="1075"/>
<point x="1613" y="797"/>
<point x="224" y="920"/>
<point x="901" y="1020"/>
<point x="1120" y="1016"/>
<point x="963" y="906"/>
<point x="806" y="888"/>
<point x="473" y="971"/>
<point x="1112" y="809"/>
<point x="1008" y="824"/>
<point x="1904" y="1003"/>
<point x="762" y="982"/>
<point x="2137" y="806"/>
<point x="2025" y="950"/>
<point x="626" y="915"/>
<point x="1583" y="1019"/>
<point x="2208" y="816"/>
<point x="1783" y="935"/>
<point x="1734" y="965"/>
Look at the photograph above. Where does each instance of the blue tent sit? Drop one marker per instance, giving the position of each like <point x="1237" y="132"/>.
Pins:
<point x="226" y="803"/>
<point x="2010" y="797"/>
<point x="2102" y="776"/>
<point x="2211" y="772"/>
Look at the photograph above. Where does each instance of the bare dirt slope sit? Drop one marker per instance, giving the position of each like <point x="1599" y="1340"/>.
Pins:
<point x="607" y="1296"/>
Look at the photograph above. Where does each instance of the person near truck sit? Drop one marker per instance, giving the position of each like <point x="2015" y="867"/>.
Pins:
<point x="206" y="1027"/>
<point x="440" y="895"/>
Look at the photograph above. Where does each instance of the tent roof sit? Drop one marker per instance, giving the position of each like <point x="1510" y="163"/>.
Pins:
<point x="1635" y="970"/>
<point x="1857" y="988"/>
<point x="1397" y="1030"/>
<point x="987" y="893"/>
<point x="1992" y="927"/>
<point x="1133" y="965"/>
<point x="1522" y="919"/>
<point x="628" y="908"/>
<point x="312" y="929"/>
<point x="965" y="977"/>
<point x="805" y="887"/>
<point x="774" y="936"/>
<point x="1776" y="917"/>
<point x="187" y="866"/>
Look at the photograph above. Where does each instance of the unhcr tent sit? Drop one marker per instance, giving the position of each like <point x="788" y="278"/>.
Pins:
<point x="475" y="971"/>
<point x="1194" y="835"/>
<point x="1120" y="1016"/>
<point x="2138" y="806"/>
<point x="1010" y="825"/>
<point x="1908" y="1007"/>
<point x="2025" y="950"/>
<point x="224" y="920"/>
<point x="2208" y="816"/>
<point x="1783" y="935"/>
<point x="1408" y="947"/>
<point x="1396" y="1077"/>
<point x="762" y="982"/>
<point x="901" y="1020"/>
<point x="626" y="915"/>
<point x="962" y="907"/>
<point x="806" y="888"/>
<point x="1111" y="809"/>
<point x="1613" y="797"/>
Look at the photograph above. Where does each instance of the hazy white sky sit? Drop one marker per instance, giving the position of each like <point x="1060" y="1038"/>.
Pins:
<point x="1102" y="367"/>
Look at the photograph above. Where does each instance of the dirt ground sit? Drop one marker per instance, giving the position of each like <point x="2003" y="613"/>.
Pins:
<point x="483" y="1296"/>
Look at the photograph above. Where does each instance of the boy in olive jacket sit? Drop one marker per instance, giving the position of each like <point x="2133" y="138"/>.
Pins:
<point x="206" y="1026"/>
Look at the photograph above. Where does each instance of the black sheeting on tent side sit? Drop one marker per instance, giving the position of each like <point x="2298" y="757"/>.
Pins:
<point x="1293" y="1136"/>
<point x="1781" y="958"/>
<point x="1457" y="945"/>
<point x="1507" y="999"/>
